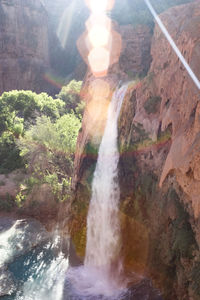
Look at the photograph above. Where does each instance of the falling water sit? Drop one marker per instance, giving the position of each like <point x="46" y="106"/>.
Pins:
<point x="103" y="228"/>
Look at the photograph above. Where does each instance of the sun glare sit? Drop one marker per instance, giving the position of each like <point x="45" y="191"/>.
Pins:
<point x="99" y="6"/>
<point x="100" y="20"/>
<point x="99" y="88"/>
<point x="99" y="36"/>
<point x="98" y="39"/>
<point x="99" y="59"/>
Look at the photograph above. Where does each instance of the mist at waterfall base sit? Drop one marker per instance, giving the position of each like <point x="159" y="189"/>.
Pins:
<point x="32" y="264"/>
<point x="101" y="272"/>
<point x="43" y="272"/>
<point x="36" y="262"/>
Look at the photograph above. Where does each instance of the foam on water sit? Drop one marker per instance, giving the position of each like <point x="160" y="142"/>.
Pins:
<point x="100" y="274"/>
<point x="46" y="282"/>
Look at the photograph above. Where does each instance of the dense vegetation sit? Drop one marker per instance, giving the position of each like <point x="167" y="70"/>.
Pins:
<point x="38" y="135"/>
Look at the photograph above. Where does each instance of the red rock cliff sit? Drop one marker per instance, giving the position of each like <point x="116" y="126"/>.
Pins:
<point x="23" y="45"/>
<point x="159" y="163"/>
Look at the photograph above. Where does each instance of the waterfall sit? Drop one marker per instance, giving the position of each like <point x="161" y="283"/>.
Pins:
<point x="102" y="264"/>
<point x="103" y="228"/>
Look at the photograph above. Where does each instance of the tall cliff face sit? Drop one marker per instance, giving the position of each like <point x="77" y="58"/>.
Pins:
<point x="23" y="45"/>
<point x="66" y="23"/>
<point x="136" y="43"/>
<point x="160" y="158"/>
<point x="38" y="39"/>
<point x="159" y="163"/>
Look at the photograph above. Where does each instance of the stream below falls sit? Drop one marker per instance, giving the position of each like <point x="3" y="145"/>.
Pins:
<point x="33" y="265"/>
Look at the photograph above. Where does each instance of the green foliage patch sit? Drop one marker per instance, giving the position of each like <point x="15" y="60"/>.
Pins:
<point x="38" y="134"/>
<point x="19" y="110"/>
<point x="49" y="148"/>
<point x="70" y="94"/>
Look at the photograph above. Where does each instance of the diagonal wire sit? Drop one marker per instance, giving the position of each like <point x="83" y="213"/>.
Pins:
<point x="172" y="43"/>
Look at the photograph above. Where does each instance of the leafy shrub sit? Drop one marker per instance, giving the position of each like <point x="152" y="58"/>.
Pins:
<point x="60" y="136"/>
<point x="49" y="149"/>
<point x="20" y="198"/>
<point x="18" y="110"/>
<point x="9" y="153"/>
<point x="70" y="94"/>
<point x="26" y="105"/>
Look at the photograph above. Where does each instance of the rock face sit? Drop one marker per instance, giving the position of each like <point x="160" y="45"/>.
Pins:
<point x="159" y="163"/>
<point x="23" y="45"/>
<point x="66" y="23"/>
<point x="38" y="39"/>
<point x="19" y="237"/>
<point x="8" y="286"/>
<point x="135" y="58"/>
<point x="97" y="92"/>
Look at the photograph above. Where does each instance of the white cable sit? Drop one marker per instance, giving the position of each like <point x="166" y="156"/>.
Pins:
<point x="172" y="43"/>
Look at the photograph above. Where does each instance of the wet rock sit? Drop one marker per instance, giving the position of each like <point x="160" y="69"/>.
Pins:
<point x="143" y="291"/>
<point x="17" y="237"/>
<point x="7" y="283"/>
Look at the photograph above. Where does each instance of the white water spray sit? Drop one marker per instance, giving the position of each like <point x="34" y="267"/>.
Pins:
<point x="103" y="229"/>
<point x="102" y="265"/>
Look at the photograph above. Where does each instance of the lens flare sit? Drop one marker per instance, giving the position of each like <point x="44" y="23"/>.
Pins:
<point x="99" y="59"/>
<point x="99" y="41"/>
<point x="99" y="6"/>
<point x="99" y="88"/>
<point x="100" y="20"/>
<point x="98" y="36"/>
<point x="99" y="93"/>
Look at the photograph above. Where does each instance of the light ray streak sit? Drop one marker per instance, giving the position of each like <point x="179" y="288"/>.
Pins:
<point x="64" y="26"/>
<point x="172" y="43"/>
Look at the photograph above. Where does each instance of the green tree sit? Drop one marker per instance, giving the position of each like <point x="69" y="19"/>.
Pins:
<point x="49" y="149"/>
<point x="19" y="110"/>
<point x="58" y="136"/>
<point x="27" y="106"/>
<point x="70" y="94"/>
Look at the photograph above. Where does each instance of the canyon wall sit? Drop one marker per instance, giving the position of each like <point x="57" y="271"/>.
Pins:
<point x="66" y="21"/>
<point x="159" y="160"/>
<point x="23" y="45"/>
<point x="38" y="44"/>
